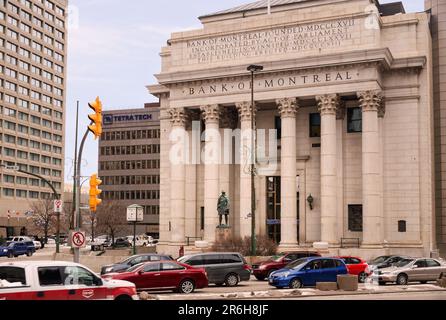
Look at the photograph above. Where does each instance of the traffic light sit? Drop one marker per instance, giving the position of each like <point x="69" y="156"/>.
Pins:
<point x="94" y="192"/>
<point x="96" y="127"/>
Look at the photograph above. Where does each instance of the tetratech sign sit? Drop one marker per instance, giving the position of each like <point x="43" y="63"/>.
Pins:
<point x="110" y="118"/>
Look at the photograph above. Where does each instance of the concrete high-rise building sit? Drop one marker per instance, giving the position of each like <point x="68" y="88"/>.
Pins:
<point x="129" y="161"/>
<point x="33" y="47"/>
<point x="438" y="30"/>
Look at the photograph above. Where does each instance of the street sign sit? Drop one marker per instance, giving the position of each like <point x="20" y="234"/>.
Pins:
<point x="135" y="213"/>
<point x="58" y="205"/>
<point x="78" y="239"/>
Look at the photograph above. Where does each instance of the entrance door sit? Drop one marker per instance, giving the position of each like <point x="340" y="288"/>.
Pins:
<point x="273" y="208"/>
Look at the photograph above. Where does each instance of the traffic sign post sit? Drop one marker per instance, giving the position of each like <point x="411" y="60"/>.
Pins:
<point x="135" y="214"/>
<point x="78" y="240"/>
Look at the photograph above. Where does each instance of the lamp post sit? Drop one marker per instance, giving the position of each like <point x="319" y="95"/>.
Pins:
<point x="253" y="69"/>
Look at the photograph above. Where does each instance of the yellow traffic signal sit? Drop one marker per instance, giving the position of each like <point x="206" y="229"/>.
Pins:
<point x="95" y="192"/>
<point x="96" y="127"/>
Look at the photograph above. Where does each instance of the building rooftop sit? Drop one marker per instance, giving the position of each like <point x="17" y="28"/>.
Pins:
<point x="385" y="9"/>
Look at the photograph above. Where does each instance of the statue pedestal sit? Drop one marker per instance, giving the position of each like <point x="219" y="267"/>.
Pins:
<point x="223" y="234"/>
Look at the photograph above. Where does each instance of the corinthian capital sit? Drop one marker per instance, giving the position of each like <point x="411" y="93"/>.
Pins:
<point x="210" y="113"/>
<point x="287" y="107"/>
<point x="328" y="103"/>
<point x="245" y="110"/>
<point x="178" y="117"/>
<point x="370" y="100"/>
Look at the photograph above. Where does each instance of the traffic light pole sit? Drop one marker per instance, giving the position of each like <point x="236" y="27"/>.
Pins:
<point x="77" y="217"/>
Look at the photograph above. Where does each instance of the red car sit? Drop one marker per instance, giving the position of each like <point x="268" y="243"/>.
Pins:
<point x="163" y="275"/>
<point x="264" y="269"/>
<point x="357" y="266"/>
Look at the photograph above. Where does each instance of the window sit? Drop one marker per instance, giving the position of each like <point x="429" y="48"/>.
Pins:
<point x="328" y="264"/>
<point x="315" y="125"/>
<point x="195" y="261"/>
<point x="432" y="263"/>
<point x="153" y="267"/>
<point x="170" y="266"/>
<point x="79" y="276"/>
<point x="8" y="192"/>
<point x="402" y="226"/>
<point x="355" y="218"/>
<point x="50" y="276"/>
<point x="13" y="275"/>
<point x="354" y="120"/>
<point x="277" y="126"/>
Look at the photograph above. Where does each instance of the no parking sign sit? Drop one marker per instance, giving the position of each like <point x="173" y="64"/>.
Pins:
<point x="78" y="239"/>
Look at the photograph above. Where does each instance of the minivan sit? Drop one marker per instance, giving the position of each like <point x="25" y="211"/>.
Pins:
<point x="227" y="268"/>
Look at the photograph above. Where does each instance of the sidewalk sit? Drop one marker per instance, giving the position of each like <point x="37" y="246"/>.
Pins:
<point x="290" y="293"/>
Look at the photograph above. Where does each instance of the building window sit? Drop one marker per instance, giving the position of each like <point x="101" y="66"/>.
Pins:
<point x="355" y="218"/>
<point x="354" y="120"/>
<point x="278" y="127"/>
<point x="402" y="226"/>
<point x="315" y="125"/>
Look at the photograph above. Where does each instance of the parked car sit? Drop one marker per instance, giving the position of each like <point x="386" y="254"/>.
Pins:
<point x="55" y="280"/>
<point x="410" y="269"/>
<point x="308" y="272"/>
<point x="385" y="262"/>
<point x="37" y="244"/>
<point x="357" y="266"/>
<point x="132" y="261"/>
<point x="222" y="268"/>
<point x="141" y="240"/>
<point x="264" y="269"/>
<point x="15" y="249"/>
<point x="122" y="243"/>
<point x="163" y="275"/>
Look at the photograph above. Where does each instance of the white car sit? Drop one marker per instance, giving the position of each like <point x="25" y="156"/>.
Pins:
<point x="59" y="280"/>
<point x="141" y="240"/>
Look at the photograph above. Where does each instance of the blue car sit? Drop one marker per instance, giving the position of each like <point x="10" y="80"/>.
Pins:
<point x="306" y="272"/>
<point x="15" y="249"/>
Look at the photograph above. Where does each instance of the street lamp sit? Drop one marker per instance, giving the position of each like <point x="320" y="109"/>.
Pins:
<point x="253" y="69"/>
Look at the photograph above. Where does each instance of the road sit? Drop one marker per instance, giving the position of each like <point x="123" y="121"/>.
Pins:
<point x="387" y="296"/>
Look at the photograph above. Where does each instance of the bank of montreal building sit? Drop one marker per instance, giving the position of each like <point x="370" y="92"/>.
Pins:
<point x="129" y="161"/>
<point x="351" y="93"/>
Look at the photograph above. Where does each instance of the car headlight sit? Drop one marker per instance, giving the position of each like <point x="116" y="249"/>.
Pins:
<point x="286" y="274"/>
<point x="262" y="267"/>
<point x="108" y="269"/>
<point x="5" y="250"/>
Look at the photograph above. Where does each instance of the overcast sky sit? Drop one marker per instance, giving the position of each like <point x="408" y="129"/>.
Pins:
<point x="113" y="52"/>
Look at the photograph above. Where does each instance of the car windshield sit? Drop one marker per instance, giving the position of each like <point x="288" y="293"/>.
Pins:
<point x="277" y="258"/>
<point x="136" y="266"/>
<point x="379" y="260"/>
<point x="126" y="261"/>
<point x="297" y="264"/>
<point x="403" y="263"/>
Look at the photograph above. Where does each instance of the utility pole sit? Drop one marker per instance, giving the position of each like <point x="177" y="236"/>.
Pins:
<point x="253" y="69"/>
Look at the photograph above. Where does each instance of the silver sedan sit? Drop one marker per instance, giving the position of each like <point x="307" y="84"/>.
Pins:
<point x="413" y="269"/>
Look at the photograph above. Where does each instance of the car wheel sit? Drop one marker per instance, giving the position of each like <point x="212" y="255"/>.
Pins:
<point x="296" y="284"/>
<point x="362" y="277"/>
<point x="187" y="286"/>
<point x="231" y="280"/>
<point x="10" y="255"/>
<point x="260" y="278"/>
<point x="402" y="280"/>
<point x="29" y="253"/>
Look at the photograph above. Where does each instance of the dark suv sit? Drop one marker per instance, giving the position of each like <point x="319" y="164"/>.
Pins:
<point x="222" y="268"/>
<point x="133" y="261"/>
<point x="263" y="270"/>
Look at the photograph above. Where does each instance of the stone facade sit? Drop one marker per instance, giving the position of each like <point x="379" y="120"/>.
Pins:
<point x="438" y="25"/>
<point x="324" y="59"/>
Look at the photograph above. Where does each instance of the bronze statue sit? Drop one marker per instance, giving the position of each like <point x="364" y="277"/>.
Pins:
<point x="223" y="208"/>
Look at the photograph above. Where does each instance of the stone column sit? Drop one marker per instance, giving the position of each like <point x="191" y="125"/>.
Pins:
<point x="288" y="168"/>
<point x="211" y="116"/>
<point x="328" y="105"/>
<point x="340" y="125"/>
<point x="177" y="159"/>
<point x="245" y="109"/>
<point x="228" y="121"/>
<point x="372" y="217"/>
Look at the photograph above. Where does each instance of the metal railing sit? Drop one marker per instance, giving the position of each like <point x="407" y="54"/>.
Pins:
<point x="350" y="242"/>
<point x="188" y="239"/>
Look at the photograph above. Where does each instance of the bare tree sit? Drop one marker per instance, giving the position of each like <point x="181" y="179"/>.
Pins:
<point x="111" y="218"/>
<point x="43" y="220"/>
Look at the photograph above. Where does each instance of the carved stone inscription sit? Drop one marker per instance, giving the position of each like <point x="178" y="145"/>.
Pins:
<point x="282" y="40"/>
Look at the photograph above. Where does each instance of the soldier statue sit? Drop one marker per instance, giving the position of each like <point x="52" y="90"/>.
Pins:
<point x="223" y="208"/>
